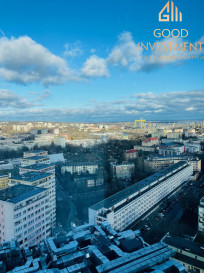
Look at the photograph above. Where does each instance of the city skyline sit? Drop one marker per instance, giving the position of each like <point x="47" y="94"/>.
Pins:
<point x="80" y="62"/>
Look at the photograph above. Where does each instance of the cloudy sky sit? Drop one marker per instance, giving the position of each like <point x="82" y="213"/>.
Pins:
<point x="79" y="61"/>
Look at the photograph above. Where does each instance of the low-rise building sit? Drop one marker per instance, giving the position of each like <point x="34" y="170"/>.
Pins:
<point x="123" y="170"/>
<point x="128" y="205"/>
<point x="190" y="254"/>
<point x="151" y="141"/>
<point x="171" y="149"/>
<point x="131" y="154"/>
<point x="24" y="214"/>
<point x="192" y="147"/>
<point x="157" y="163"/>
<point x="90" y="248"/>
<point x="80" y="167"/>
<point x="90" y="180"/>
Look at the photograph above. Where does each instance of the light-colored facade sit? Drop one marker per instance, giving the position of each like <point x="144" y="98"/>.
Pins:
<point x="189" y="253"/>
<point x="24" y="214"/>
<point x="43" y="168"/>
<point x="80" y="167"/>
<point x="151" y="141"/>
<point x="131" y="154"/>
<point x="35" y="153"/>
<point x="60" y="141"/>
<point x="122" y="171"/>
<point x="192" y="147"/>
<point x="158" y="163"/>
<point x="43" y="180"/>
<point x="201" y="216"/>
<point x="4" y="179"/>
<point x="34" y="160"/>
<point x="128" y="205"/>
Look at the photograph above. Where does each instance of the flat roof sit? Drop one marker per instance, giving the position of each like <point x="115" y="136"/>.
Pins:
<point x="37" y="166"/>
<point x="31" y="176"/>
<point x="19" y="193"/>
<point x="36" y="157"/>
<point x="85" y="163"/>
<point x="186" y="245"/>
<point x="118" y="197"/>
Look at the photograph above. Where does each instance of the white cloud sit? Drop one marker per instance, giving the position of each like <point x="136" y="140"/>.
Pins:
<point x="73" y="50"/>
<point x="95" y="67"/>
<point x="22" y="60"/>
<point x="163" y="106"/>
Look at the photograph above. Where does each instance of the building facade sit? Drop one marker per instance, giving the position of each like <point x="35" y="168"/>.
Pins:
<point x="201" y="216"/>
<point x="80" y="167"/>
<point x="122" y="171"/>
<point x="43" y="180"/>
<point x="157" y="163"/>
<point x="4" y="179"/>
<point x="128" y="205"/>
<point x="24" y="214"/>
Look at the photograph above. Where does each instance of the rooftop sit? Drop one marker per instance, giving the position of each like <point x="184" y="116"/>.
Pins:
<point x="114" y="199"/>
<point x="38" y="167"/>
<point x="184" y="244"/>
<point x="31" y="176"/>
<point x="35" y="157"/>
<point x="19" y="193"/>
<point x="88" y="248"/>
<point x="35" y="152"/>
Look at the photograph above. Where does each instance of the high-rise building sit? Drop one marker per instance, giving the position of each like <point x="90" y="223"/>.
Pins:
<point x="128" y="205"/>
<point x="201" y="216"/>
<point x="43" y="180"/>
<point x="24" y="214"/>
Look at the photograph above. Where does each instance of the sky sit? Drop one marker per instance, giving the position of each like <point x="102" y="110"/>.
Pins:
<point x="78" y="61"/>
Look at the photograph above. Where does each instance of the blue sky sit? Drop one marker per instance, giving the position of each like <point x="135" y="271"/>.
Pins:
<point x="77" y="61"/>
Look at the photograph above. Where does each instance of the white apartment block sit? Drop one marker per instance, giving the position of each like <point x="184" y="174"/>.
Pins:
<point x="24" y="214"/>
<point x="131" y="154"/>
<point x="43" y="180"/>
<point x="35" y="160"/>
<point x="158" y="163"/>
<point x="128" y="205"/>
<point x="201" y="216"/>
<point x="192" y="147"/>
<point x="81" y="167"/>
<point x="44" y="168"/>
<point x="35" y="153"/>
<point x="122" y="171"/>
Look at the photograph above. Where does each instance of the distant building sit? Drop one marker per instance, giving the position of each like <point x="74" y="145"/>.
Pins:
<point x="151" y="141"/>
<point x="201" y="216"/>
<point x="60" y="141"/>
<point x="24" y="214"/>
<point x="188" y="253"/>
<point x="150" y="149"/>
<point x="90" y="248"/>
<point x="90" y="180"/>
<point x="80" y="167"/>
<point x="128" y="205"/>
<point x="34" y="153"/>
<point x="157" y="163"/>
<point x="192" y="147"/>
<point x="123" y="170"/>
<point x="171" y="149"/>
<point x="4" y="179"/>
<point x="131" y="154"/>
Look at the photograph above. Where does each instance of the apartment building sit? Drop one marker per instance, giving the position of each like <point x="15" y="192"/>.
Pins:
<point x="201" y="216"/>
<point x="190" y="254"/>
<point x="157" y="163"/>
<point x="80" y="167"/>
<point x="131" y="154"/>
<point x="43" y="180"/>
<point x="35" y="153"/>
<point x="128" y="205"/>
<point x="4" y="179"/>
<point x="123" y="170"/>
<point x="151" y="141"/>
<point x="24" y="214"/>
<point x="44" y="168"/>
